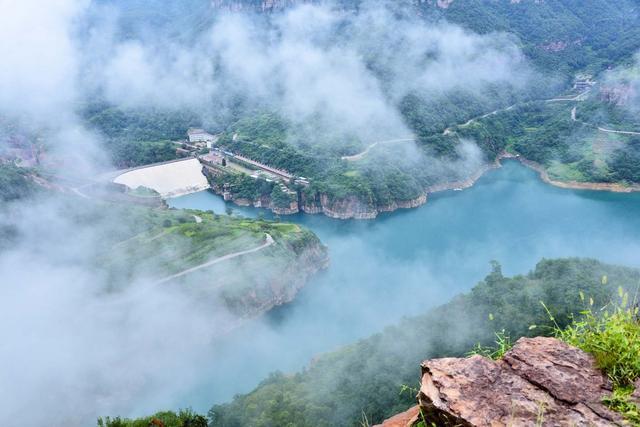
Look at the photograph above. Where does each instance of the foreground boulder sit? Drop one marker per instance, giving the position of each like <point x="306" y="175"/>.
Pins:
<point x="404" y="419"/>
<point x="539" y="382"/>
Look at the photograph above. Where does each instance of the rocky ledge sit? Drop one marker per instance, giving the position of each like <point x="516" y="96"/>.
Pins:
<point x="539" y="382"/>
<point x="353" y="208"/>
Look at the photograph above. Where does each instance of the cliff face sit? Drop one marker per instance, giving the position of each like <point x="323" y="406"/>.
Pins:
<point x="283" y="287"/>
<point x="540" y="381"/>
<point x="352" y="207"/>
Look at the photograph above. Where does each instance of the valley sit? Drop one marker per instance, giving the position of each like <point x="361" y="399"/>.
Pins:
<point x="510" y="215"/>
<point x="311" y="213"/>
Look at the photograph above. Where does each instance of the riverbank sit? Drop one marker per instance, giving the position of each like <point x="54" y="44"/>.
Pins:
<point x="544" y="176"/>
<point x="576" y="185"/>
<point x="353" y="208"/>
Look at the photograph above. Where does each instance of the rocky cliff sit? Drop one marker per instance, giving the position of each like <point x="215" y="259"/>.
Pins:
<point x="539" y="382"/>
<point x="352" y="207"/>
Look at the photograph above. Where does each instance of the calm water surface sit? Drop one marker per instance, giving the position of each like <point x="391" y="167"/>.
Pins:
<point x="405" y="262"/>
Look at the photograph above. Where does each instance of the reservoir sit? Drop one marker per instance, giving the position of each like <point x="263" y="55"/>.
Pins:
<point x="405" y="262"/>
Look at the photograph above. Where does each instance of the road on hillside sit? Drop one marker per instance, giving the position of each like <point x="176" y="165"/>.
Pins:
<point x="268" y="242"/>
<point x="370" y="146"/>
<point x="601" y="129"/>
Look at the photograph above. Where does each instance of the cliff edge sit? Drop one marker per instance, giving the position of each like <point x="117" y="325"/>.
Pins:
<point x="539" y="382"/>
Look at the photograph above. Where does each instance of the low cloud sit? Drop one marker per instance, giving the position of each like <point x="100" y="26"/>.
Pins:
<point x="71" y="350"/>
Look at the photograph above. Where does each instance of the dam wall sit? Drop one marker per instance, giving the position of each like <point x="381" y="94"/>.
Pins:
<point x="169" y="179"/>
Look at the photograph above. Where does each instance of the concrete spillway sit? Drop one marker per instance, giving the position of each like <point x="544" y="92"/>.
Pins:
<point x="169" y="179"/>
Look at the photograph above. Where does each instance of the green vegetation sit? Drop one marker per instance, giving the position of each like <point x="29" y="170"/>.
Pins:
<point x="559" y="35"/>
<point x="620" y="401"/>
<point x="159" y="243"/>
<point x="610" y="333"/>
<point x="242" y="186"/>
<point x="281" y="198"/>
<point x="569" y="150"/>
<point x="502" y="344"/>
<point x="138" y="137"/>
<point x="184" y="418"/>
<point x="128" y="154"/>
<point x="366" y="377"/>
<point x="15" y="182"/>
<point x="560" y="38"/>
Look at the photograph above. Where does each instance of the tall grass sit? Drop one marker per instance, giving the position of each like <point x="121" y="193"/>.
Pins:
<point x="612" y="335"/>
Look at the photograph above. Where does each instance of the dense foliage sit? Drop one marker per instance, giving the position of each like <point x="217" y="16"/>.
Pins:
<point x="367" y="377"/>
<point x="15" y="183"/>
<point x="612" y="335"/>
<point x="138" y="137"/>
<point x="559" y="35"/>
<point x="568" y="149"/>
<point x="184" y="418"/>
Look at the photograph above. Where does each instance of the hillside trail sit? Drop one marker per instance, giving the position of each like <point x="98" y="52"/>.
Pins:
<point x="363" y="153"/>
<point x="268" y="242"/>
<point x="601" y="129"/>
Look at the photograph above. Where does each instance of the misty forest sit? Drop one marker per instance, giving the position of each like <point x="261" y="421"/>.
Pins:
<point x="318" y="213"/>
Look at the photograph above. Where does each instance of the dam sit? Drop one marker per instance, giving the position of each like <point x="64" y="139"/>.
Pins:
<point x="169" y="179"/>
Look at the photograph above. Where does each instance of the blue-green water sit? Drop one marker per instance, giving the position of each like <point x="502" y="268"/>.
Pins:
<point x="405" y="262"/>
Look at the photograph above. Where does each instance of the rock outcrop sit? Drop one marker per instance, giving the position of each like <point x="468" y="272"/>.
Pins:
<point x="404" y="419"/>
<point x="352" y="207"/>
<point x="539" y="382"/>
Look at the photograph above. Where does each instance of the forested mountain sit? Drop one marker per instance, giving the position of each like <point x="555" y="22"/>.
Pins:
<point x="364" y="381"/>
<point x="557" y="38"/>
<point x="557" y="34"/>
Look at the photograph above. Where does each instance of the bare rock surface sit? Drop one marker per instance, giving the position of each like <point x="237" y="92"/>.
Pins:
<point x="404" y="419"/>
<point x="540" y="381"/>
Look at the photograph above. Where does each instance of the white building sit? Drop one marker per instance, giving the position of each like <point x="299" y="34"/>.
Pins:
<point x="196" y="136"/>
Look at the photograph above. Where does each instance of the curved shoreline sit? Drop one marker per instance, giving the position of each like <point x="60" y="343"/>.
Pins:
<point x="577" y="185"/>
<point x="354" y="209"/>
<point x="542" y="173"/>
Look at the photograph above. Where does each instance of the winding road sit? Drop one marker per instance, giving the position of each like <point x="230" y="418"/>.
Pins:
<point x="268" y="242"/>
<point x="372" y="145"/>
<point x="601" y="129"/>
<point x="577" y="98"/>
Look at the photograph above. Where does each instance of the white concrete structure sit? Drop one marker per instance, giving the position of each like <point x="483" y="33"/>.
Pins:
<point x="199" y="135"/>
<point x="169" y="179"/>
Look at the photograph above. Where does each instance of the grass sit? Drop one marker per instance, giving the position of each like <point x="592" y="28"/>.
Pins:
<point x="184" y="418"/>
<point x="170" y="241"/>
<point x="612" y="335"/>
<point x="565" y="172"/>
<point x="503" y="344"/>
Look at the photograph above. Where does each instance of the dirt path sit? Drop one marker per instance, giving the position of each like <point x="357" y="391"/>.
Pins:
<point x="449" y="130"/>
<point x="579" y="97"/>
<point x="268" y="242"/>
<point x="601" y="129"/>
<point x="623" y="132"/>
<point x="372" y="145"/>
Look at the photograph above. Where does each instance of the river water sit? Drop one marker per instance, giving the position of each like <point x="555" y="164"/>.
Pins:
<point x="405" y="262"/>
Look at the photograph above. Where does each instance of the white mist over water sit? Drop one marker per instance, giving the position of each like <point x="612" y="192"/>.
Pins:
<point x="406" y="262"/>
<point x="70" y="352"/>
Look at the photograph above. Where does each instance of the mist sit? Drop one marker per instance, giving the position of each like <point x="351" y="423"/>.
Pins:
<point x="73" y="348"/>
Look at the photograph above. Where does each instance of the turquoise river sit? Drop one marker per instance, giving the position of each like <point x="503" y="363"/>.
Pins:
<point x="407" y="261"/>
